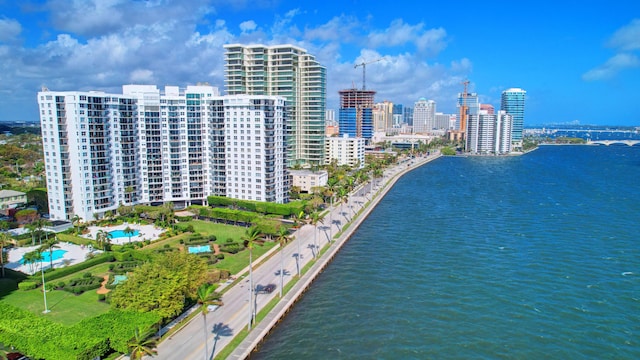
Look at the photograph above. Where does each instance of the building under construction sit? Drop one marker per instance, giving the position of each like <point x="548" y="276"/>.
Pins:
<point x="355" y="116"/>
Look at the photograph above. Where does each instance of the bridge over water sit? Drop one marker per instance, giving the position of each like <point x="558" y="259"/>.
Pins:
<point x="611" y="142"/>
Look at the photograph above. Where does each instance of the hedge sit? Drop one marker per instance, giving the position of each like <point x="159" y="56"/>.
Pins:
<point x="291" y="208"/>
<point x="27" y="285"/>
<point x="40" y="338"/>
<point x="78" y="286"/>
<point x="54" y="274"/>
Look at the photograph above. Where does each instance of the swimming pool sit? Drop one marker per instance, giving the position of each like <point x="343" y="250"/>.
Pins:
<point x="55" y="255"/>
<point x="199" y="249"/>
<point x="121" y="234"/>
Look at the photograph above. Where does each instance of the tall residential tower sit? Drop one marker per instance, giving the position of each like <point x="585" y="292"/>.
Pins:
<point x="513" y="103"/>
<point x="287" y="71"/>
<point x="147" y="146"/>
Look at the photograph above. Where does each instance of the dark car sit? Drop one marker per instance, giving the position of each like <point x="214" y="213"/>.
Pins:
<point x="265" y="289"/>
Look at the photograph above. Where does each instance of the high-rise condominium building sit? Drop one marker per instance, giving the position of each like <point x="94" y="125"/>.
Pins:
<point x="145" y="146"/>
<point x="383" y="116"/>
<point x="489" y="133"/>
<point x="408" y="116"/>
<point x="355" y="116"/>
<point x="424" y="115"/>
<point x="513" y="103"/>
<point x="472" y="107"/>
<point x="287" y="71"/>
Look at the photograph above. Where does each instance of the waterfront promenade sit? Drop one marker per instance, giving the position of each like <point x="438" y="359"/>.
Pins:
<point x="227" y="321"/>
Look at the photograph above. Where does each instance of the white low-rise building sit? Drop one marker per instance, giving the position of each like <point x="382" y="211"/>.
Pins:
<point x="345" y="150"/>
<point x="306" y="180"/>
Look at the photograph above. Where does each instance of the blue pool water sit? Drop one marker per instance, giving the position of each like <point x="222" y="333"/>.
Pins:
<point x="121" y="234"/>
<point x="199" y="249"/>
<point x="117" y="279"/>
<point x="55" y="255"/>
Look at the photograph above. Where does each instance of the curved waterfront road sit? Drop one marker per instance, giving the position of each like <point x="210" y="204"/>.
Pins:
<point x="224" y="323"/>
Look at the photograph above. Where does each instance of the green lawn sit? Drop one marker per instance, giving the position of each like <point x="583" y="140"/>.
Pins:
<point x="236" y="262"/>
<point x="66" y="308"/>
<point x="232" y="262"/>
<point x="221" y="231"/>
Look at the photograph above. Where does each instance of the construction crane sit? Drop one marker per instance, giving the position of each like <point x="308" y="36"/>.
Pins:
<point x="463" y="108"/>
<point x="364" y="71"/>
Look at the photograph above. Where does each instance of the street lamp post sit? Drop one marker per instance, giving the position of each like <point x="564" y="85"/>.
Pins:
<point x="44" y="289"/>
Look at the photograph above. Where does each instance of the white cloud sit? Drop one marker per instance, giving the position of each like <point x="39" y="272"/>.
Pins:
<point x="627" y="37"/>
<point x="400" y="34"/>
<point x="9" y="30"/>
<point x="625" y="40"/>
<point x="613" y="66"/>
<point x="173" y="43"/>
<point x="248" y="26"/>
<point x="141" y="76"/>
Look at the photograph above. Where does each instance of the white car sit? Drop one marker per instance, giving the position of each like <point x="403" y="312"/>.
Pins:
<point x="212" y="308"/>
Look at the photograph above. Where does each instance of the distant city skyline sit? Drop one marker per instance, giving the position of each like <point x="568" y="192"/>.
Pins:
<point x="572" y="70"/>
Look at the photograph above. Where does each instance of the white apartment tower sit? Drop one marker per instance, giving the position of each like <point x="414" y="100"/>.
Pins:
<point x="287" y="71"/>
<point x="424" y="116"/>
<point x="489" y="133"/>
<point x="147" y="146"/>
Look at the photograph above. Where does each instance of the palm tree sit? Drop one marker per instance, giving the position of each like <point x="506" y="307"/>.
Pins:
<point x="32" y="229"/>
<point x="128" y="231"/>
<point x="283" y="238"/>
<point x="142" y="344"/>
<point x="252" y="234"/>
<point x="343" y="195"/>
<point x="75" y="220"/>
<point x="5" y="239"/>
<point x="49" y="245"/>
<point x="296" y="220"/>
<point x="31" y="258"/>
<point x="103" y="238"/>
<point x="314" y="219"/>
<point x="38" y="225"/>
<point x="206" y="296"/>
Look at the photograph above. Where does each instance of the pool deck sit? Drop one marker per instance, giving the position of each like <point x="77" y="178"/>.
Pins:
<point x="146" y="232"/>
<point x="74" y="254"/>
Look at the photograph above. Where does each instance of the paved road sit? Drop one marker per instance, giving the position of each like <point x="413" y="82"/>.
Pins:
<point x="226" y="321"/>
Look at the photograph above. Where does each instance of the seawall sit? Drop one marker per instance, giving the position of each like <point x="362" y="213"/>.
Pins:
<point x="259" y="333"/>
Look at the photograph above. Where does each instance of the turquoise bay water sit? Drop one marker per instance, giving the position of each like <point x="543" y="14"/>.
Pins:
<point x="120" y="233"/>
<point x="530" y="257"/>
<point x="55" y="255"/>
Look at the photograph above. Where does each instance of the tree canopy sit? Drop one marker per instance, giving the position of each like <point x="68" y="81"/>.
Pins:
<point x="162" y="285"/>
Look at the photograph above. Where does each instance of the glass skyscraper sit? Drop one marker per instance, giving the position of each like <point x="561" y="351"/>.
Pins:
<point x="513" y="103"/>
<point x="288" y="71"/>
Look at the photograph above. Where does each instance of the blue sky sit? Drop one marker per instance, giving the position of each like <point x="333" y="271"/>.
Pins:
<point x="579" y="61"/>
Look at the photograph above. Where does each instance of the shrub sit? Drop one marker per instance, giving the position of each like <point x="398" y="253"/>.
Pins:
<point x="220" y="256"/>
<point x="101" y="297"/>
<point x="111" y="266"/>
<point x="231" y="248"/>
<point x="166" y="246"/>
<point x="86" y="275"/>
<point x="212" y="238"/>
<point x="27" y="285"/>
<point x="61" y="284"/>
